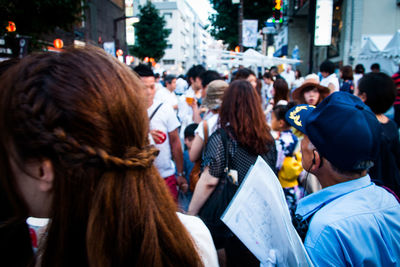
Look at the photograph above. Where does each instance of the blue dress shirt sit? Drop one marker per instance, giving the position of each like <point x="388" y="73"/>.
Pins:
<point x="354" y="223"/>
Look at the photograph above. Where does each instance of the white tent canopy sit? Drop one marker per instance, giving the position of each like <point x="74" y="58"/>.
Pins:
<point x="392" y="49"/>
<point x="250" y="58"/>
<point x="388" y="58"/>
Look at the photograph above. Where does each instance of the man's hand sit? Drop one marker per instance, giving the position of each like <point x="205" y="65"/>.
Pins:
<point x="182" y="183"/>
<point x="158" y="136"/>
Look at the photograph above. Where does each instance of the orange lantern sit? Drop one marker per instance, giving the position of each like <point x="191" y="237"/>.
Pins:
<point x="237" y="49"/>
<point x="146" y="59"/>
<point x="119" y="52"/>
<point x="58" y="43"/>
<point x="11" y="27"/>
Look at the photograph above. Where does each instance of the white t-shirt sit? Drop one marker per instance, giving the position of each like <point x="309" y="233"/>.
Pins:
<point x="166" y="96"/>
<point x="185" y="112"/>
<point x="202" y="239"/>
<point x="211" y="123"/>
<point x="290" y="77"/>
<point x="331" y="79"/>
<point x="166" y="121"/>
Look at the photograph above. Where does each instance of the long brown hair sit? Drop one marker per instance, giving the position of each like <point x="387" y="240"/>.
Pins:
<point x="281" y="91"/>
<point x="85" y="112"/>
<point x="241" y="111"/>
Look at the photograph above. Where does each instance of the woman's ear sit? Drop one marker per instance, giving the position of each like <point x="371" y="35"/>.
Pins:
<point x="45" y="175"/>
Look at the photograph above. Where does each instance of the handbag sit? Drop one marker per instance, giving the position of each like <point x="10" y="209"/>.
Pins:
<point x="216" y="204"/>
<point x="194" y="175"/>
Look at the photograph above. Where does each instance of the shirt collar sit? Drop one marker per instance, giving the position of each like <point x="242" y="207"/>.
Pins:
<point x="313" y="202"/>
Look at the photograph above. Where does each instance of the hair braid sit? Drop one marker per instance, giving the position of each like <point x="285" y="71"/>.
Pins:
<point x="134" y="157"/>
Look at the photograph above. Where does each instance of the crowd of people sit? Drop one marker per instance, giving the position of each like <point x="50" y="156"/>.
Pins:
<point x="132" y="168"/>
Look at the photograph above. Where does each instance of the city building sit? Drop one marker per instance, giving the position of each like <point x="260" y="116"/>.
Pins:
<point x="353" y="22"/>
<point x="188" y="40"/>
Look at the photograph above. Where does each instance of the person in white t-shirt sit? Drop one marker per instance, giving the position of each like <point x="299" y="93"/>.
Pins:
<point x="188" y="111"/>
<point x="164" y="131"/>
<point x="330" y="80"/>
<point x="167" y="93"/>
<point x="212" y="102"/>
<point x="289" y="75"/>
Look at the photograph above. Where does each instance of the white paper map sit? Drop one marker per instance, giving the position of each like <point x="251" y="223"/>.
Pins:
<point x="259" y="217"/>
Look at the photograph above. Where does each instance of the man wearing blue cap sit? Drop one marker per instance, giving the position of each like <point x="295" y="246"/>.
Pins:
<point x="352" y="222"/>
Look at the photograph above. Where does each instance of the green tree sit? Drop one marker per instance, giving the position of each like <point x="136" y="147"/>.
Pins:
<point x="224" y="24"/>
<point x="151" y="34"/>
<point x="38" y="17"/>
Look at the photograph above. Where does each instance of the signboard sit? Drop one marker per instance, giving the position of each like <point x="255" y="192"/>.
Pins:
<point x="281" y="43"/>
<point x="109" y="47"/>
<point x="250" y="33"/>
<point x="323" y="23"/>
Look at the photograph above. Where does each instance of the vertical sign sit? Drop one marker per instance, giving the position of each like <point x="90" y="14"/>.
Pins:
<point x="250" y="33"/>
<point x="323" y="22"/>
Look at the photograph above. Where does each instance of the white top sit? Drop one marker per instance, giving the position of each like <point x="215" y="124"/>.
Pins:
<point x="166" y="121"/>
<point x="212" y="126"/>
<point x="202" y="239"/>
<point x="357" y="77"/>
<point x="181" y="86"/>
<point x="290" y="77"/>
<point x="331" y="79"/>
<point x="166" y="96"/>
<point x="185" y="112"/>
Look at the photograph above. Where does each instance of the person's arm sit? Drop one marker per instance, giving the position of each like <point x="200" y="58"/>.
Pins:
<point x="196" y="112"/>
<point x="204" y="188"/>
<point x="197" y="147"/>
<point x="177" y="154"/>
<point x="331" y="87"/>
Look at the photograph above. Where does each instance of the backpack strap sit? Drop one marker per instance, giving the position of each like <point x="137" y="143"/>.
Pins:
<point x="155" y="111"/>
<point x="224" y="138"/>
<point x="205" y="129"/>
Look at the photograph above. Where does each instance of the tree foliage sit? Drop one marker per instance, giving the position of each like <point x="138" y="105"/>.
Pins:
<point x="151" y="34"/>
<point x="225" y="21"/>
<point x="38" y="17"/>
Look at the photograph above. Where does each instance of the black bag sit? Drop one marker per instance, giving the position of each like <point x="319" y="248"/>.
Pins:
<point x="216" y="204"/>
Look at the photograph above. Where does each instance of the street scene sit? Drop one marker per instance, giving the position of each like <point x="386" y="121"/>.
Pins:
<point x="200" y="133"/>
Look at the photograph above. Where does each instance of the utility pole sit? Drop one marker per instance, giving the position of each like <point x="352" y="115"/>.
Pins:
<point x="240" y="10"/>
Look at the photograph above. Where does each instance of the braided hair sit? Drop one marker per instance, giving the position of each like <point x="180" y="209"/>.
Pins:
<point x="85" y="112"/>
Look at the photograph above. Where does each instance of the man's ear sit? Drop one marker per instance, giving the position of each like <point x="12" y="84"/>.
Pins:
<point x="46" y="175"/>
<point x="316" y="161"/>
<point x="363" y="97"/>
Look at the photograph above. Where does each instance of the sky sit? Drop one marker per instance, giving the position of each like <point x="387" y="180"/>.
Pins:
<point x="203" y="8"/>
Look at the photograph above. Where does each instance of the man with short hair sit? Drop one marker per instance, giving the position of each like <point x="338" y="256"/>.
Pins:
<point x="375" y="67"/>
<point x="164" y="131"/>
<point x="352" y="221"/>
<point x="330" y="80"/>
<point x="167" y="93"/>
<point x="188" y="111"/>
<point x="289" y="76"/>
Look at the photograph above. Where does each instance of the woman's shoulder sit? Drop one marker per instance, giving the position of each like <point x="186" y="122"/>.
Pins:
<point x="202" y="238"/>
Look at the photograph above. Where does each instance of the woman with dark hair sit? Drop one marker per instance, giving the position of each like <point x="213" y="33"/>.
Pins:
<point x="359" y="71"/>
<point x="248" y="75"/>
<point x="346" y="75"/>
<point x="74" y="148"/>
<point x="280" y="96"/>
<point x="243" y="135"/>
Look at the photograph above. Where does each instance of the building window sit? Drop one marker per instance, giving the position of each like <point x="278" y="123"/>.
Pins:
<point x="168" y="61"/>
<point x="168" y="15"/>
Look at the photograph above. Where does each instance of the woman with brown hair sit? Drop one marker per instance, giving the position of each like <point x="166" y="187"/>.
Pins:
<point x="280" y="96"/>
<point x="74" y="148"/>
<point x="242" y="135"/>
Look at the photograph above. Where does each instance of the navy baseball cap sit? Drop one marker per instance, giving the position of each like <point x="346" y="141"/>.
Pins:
<point x="343" y="129"/>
